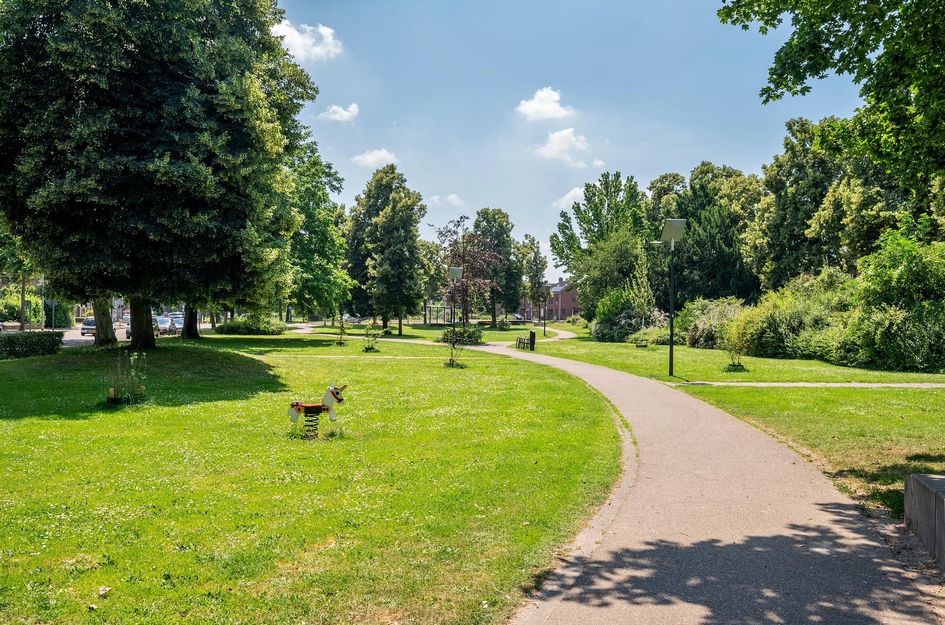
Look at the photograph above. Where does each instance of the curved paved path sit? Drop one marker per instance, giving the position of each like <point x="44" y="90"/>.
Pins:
<point x="716" y="523"/>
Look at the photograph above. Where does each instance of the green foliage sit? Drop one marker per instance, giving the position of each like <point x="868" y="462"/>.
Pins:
<point x="891" y="49"/>
<point x="10" y="304"/>
<point x="900" y="320"/>
<point x="704" y="322"/>
<point x="169" y="121"/>
<point x="610" y="205"/>
<point x="623" y="312"/>
<point x="494" y="229"/>
<point x="319" y="281"/>
<point x="534" y="264"/>
<point x="394" y="267"/>
<point x="608" y="266"/>
<point x="577" y="320"/>
<point x="502" y="325"/>
<point x="26" y="344"/>
<point x="656" y="335"/>
<point x="253" y="325"/>
<point x="377" y="195"/>
<point x="471" y="335"/>
<point x="789" y="323"/>
<point x="371" y="336"/>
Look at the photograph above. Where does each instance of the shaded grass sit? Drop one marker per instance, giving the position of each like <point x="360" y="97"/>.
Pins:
<point x="871" y="439"/>
<point x="437" y="495"/>
<point x="709" y="365"/>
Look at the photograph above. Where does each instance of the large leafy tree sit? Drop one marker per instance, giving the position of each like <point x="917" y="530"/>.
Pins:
<point x="494" y="231"/>
<point x="319" y="281"/>
<point x="466" y="249"/>
<point x="710" y="261"/>
<point x="395" y="265"/>
<point x="611" y="265"/>
<point x="891" y="48"/>
<point x="534" y="264"/>
<point x="143" y="145"/>
<point x="610" y="204"/>
<point x="775" y="243"/>
<point x="433" y="274"/>
<point x="368" y="205"/>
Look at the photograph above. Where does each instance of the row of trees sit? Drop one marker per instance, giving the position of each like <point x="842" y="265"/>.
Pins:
<point x="844" y="194"/>
<point x="394" y="273"/>
<point x="153" y="151"/>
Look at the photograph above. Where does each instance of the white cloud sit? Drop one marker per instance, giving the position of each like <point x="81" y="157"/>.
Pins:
<point x="565" y="201"/>
<point x="308" y="43"/>
<point x="545" y="104"/>
<point x="336" y="113"/>
<point x="452" y="199"/>
<point x="560" y="146"/>
<point x="375" y="158"/>
<point x="599" y="164"/>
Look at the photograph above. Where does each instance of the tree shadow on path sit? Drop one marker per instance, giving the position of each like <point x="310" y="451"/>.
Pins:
<point x="834" y="575"/>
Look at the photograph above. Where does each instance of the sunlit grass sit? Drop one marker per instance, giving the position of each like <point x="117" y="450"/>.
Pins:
<point x="432" y="332"/>
<point x="709" y="365"/>
<point x="439" y="493"/>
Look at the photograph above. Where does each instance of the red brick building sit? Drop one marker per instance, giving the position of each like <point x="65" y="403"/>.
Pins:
<point x="562" y="303"/>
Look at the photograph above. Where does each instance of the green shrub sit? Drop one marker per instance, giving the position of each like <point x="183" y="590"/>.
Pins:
<point x="502" y="324"/>
<point x="704" y="321"/>
<point x="10" y="304"/>
<point x="656" y="335"/>
<point x="577" y="320"/>
<point x="623" y="312"/>
<point x="257" y="326"/>
<point x="891" y="337"/>
<point x="371" y="335"/>
<point x="26" y="344"/>
<point x="471" y="335"/>
<point x="793" y="321"/>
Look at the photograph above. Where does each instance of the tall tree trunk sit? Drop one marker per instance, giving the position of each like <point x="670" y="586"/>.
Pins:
<point x="384" y="321"/>
<point x="142" y="330"/>
<point x="426" y="308"/>
<point x="191" y="329"/>
<point x="104" y="330"/>
<point x="280" y="309"/>
<point x="23" y="303"/>
<point x="213" y="320"/>
<point x="400" y="324"/>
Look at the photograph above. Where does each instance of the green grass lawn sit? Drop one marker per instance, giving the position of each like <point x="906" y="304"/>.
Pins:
<point x="870" y="439"/>
<point x="437" y="498"/>
<point x="432" y="332"/>
<point x="709" y="365"/>
<point x="581" y="332"/>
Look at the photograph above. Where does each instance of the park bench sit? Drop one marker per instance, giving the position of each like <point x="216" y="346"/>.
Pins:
<point x="526" y="342"/>
<point x="642" y="343"/>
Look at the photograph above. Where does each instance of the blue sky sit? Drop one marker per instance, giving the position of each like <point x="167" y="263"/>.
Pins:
<point x="643" y="87"/>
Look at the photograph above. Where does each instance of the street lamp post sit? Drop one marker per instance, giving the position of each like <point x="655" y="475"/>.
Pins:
<point x="673" y="230"/>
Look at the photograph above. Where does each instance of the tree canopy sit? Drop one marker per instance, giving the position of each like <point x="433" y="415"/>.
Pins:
<point x="145" y="155"/>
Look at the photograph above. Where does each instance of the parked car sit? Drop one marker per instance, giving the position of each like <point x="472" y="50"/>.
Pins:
<point x="154" y="328"/>
<point x="166" y="326"/>
<point x="178" y="318"/>
<point x="88" y="326"/>
<point x="126" y="318"/>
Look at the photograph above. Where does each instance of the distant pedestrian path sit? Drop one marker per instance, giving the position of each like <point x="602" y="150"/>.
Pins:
<point x="715" y="523"/>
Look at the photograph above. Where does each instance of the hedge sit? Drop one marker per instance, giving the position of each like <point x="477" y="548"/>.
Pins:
<point x="252" y="326"/>
<point x="26" y="344"/>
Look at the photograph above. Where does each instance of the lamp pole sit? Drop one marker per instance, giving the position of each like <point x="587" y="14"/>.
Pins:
<point x="672" y="303"/>
<point x="673" y="230"/>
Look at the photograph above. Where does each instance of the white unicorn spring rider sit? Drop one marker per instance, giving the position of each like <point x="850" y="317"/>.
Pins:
<point x="310" y="413"/>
